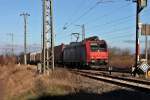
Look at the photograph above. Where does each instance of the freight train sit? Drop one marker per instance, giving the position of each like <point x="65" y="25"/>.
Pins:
<point x="90" y="52"/>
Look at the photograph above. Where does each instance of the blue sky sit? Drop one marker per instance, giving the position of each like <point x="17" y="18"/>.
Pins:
<point x="113" y="21"/>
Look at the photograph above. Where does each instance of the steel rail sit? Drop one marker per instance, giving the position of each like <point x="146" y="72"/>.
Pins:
<point x="122" y="78"/>
<point x="140" y="85"/>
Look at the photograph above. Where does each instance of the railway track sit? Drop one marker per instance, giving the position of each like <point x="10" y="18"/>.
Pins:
<point x="136" y="84"/>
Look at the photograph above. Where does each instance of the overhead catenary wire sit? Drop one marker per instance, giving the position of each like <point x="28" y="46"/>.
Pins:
<point x="115" y="30"/>
<point x="114" y="11"/>
<point x="108" y="34"/>
<point x="106" y="14"/>
<point x="86" y="12"/>
<point x="120" y="21"/>
<point x="77" y="11"/>
<point x="113" y="27"/>
<point x="104" y="33"/>
<point x="114" y="22"/>
<point x="120" y="36"/>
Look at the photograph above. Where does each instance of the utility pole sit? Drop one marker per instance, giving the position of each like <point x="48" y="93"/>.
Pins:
<point x="83" y="31"/>
<point x="12" y="39"/>
<point x="44" y="48"/>
<point x="25" y="16"/>
<point x="146" y="47"/>
<point x="52" y="33"/>
<point x="137" y="54"/>
<point x="41" y="46"/>
<point x="148" y="51"/>
<point x="12" y="45"/>
<point x="140" y="4"/>
<point x="48" y="35"/>
<point x="145" y="31"/>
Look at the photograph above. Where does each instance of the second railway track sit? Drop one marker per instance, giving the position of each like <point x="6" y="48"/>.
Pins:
<point x="136" y="84"/>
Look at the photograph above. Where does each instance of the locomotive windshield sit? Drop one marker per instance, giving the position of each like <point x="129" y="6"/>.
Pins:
<point x="98" y="47"/>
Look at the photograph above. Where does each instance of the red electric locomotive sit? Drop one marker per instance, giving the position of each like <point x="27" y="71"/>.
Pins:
<point x="89" y="52"/>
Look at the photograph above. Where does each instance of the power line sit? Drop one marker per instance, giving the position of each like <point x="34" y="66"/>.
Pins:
<point x="121" y="21"/>
<point x="112" y="31"/>
<point x="77" y="10"/>
<point x="120" y="33"/>
<point x="86" y="12"/>
<point x="107" y="14"/>
<point x="117" y="30"/>
<point x="120" y="36"/>
<point x="113" y="22"/>
<point x="116" y="10"/>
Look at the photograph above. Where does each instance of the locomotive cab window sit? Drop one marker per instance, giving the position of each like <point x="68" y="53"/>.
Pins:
<point x="102" y="47"/>
<point x="94" y="47"/>
<point x="98" y="47"/>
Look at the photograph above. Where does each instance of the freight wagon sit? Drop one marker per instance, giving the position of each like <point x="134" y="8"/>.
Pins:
<point x="58" y="53"/>
<point x="34" y="57"/>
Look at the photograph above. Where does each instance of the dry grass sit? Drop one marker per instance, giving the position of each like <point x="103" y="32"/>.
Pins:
<point x="122" y="61"/>
<point x="122" y="58"/>
<point x="22" y="82"/>
<point x="17" y="80"/>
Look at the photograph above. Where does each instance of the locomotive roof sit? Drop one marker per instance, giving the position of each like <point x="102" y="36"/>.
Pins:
<point x="82" y="43"/>
<point x="93" y="38"/>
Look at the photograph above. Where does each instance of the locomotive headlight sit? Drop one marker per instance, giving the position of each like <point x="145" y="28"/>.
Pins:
<point x="92" y="61"/>
<point x="106" y="61"/>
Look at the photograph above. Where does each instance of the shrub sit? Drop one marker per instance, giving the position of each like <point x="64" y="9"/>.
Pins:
<point x="7" y="60"/>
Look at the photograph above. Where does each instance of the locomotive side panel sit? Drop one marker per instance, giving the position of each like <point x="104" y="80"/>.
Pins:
<point x="68" y="54"/>
<point x="75" y="54"/>
<point x="81" y="54"/>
